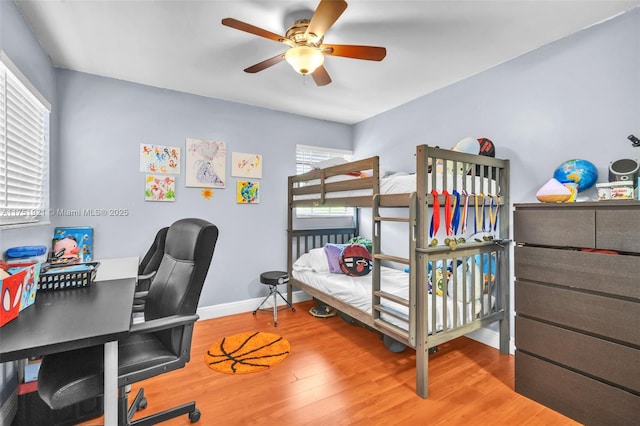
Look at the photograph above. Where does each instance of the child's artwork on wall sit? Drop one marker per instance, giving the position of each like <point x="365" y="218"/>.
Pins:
<point x="246" y="165"/>
<point x="160" y="188"/>
<point x="205" y="163"/>
<point x="207" y="193"/>
<point x="248" y="192"/>
<point x="160" y="159"/>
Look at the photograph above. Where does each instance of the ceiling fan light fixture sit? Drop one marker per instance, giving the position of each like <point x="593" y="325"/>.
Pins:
<point x="304" y="59"/>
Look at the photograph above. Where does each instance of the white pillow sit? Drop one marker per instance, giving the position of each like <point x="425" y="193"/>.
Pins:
<point x="303" y="263"/>
<point x="396" y="174"/>
<point x="315" y="259"/>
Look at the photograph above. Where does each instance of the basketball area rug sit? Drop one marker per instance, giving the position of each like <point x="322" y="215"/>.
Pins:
<point x="247" y="352"/>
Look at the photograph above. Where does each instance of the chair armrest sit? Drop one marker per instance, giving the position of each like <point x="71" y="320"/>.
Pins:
<point x="139" y="298"/>
<point x="163" y="323"/>
<point x="140" y="295"/>
<point x="147" y="276"/>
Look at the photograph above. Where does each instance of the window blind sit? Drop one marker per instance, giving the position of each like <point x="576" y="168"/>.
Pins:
<point x="24" y="135"/>
<point x="306" y="157"/>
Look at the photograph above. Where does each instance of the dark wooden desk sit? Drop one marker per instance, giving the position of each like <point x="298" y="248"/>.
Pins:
<point x="75" y="318"/>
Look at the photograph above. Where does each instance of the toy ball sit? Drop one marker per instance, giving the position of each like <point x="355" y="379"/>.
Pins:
<point x="469" y="145"/>
<point x="355" y="260"/>
<point x="486" y="147"/>
<point x="582" y="172"/>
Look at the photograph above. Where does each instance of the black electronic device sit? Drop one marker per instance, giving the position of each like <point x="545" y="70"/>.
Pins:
<point x="624" y="170"/>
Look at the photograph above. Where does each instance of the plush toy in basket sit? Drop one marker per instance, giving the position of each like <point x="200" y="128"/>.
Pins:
<point x="73" y="244"/>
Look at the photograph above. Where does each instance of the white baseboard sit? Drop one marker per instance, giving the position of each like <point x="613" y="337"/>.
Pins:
<point x="216" y="311"/>
<point x="491" y="338"/>
<point x="484" y="335"/>
<point x="487" y="336"/>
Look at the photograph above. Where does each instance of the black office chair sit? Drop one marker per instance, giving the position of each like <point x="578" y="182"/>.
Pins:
<point x="160" y="344"/>
<point x="148" y="268"/>
<point x="151" y="261"/>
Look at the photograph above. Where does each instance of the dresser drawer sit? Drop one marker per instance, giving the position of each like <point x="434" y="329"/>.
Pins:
<point x="595" y="357"/>
<point x="616" y="319"/>
<point x="555" y="227"/>
<point x="586" y="400"/>
<point x="605" y="273"/>
<point x="618" y="229"/>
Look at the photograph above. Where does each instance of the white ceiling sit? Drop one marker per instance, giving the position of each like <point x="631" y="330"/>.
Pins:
<point x="181" y="45"/>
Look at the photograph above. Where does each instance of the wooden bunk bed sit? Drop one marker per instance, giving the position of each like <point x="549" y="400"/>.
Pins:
<point x="422" y="315"/>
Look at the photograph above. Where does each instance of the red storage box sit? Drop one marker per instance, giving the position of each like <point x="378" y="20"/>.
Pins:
<point x="10" y="296"/>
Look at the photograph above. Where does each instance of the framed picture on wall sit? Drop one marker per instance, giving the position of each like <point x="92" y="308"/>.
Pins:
<point x="205" y="163"/>
<point x="248" y="192"/>
<point x="160" y="188"/>
<point x="160" y="159"/>
<point x="246" y="165"/>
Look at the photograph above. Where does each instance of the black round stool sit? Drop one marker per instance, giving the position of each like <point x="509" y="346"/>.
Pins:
<point x="273" y="279"/>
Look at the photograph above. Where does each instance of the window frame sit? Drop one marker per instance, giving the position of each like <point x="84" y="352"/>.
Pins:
<point x="316" y="154"/>
<point x="36" y="113"/>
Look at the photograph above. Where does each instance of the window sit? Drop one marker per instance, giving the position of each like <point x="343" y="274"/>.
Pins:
<point x="306" y="157"/>
<point x="24" y="139"/>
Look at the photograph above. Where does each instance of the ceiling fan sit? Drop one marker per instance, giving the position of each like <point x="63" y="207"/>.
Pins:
<point x="306" y="51"/>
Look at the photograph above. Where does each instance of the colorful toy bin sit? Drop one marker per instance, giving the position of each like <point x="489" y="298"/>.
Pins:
<point x="10" y="296"/>
<point x="18" y="290"/>
<point x="30" y="282"/>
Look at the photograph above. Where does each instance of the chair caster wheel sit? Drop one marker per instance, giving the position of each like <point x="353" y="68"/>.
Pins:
<point x="142" y="404"/>
<point x="293" y="309"/>
<point x="194" y="416"/>
<point x="254" y="312"/>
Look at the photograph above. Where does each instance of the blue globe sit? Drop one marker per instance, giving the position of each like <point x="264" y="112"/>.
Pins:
<point x="582" y="172"/>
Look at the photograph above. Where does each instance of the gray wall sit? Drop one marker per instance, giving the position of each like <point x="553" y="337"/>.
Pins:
<point x="21" y="46"/>
<point x="576" y="98"/>
<point x="104" y="121"/>
<point x="17" y="41"/>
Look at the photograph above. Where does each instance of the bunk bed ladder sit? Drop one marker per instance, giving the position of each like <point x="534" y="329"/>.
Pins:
<point x="378" y="257"/>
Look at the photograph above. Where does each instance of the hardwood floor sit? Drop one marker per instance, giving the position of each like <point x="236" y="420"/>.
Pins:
<point x="341" y="374"/>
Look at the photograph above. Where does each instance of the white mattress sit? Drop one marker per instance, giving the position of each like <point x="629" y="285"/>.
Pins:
<point x="402" y="183"/>
<point x="356" y="291"/>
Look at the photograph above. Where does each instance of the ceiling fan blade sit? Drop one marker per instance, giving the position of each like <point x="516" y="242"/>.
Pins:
<point x="265" y="64"/>
<point x="252" y="29"/>
<point x="370" y="53"/>
<point x="321" y="76"/>
<point x="326" y="14"/>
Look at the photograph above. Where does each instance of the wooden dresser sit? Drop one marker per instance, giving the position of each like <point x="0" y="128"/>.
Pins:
<point x="577" y="329"/>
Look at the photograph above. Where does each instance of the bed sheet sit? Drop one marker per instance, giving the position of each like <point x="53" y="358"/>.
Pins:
<point x="356" y="291"/>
